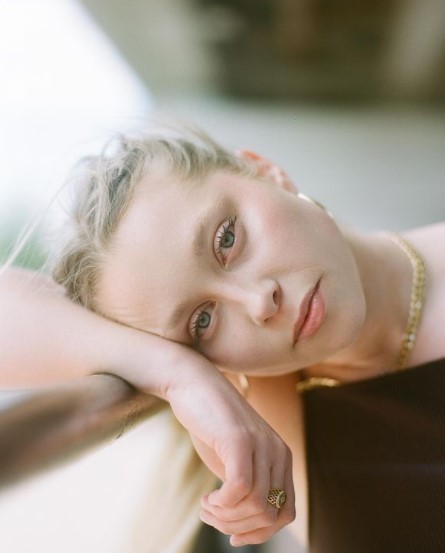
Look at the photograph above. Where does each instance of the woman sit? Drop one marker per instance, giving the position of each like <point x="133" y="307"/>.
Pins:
<point x="218" y="253"/>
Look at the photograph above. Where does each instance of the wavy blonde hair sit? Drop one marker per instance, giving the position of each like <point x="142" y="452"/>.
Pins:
<point x="103" y="189"/>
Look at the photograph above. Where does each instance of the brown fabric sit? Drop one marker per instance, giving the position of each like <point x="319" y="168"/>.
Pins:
<point x="376" y="464"/>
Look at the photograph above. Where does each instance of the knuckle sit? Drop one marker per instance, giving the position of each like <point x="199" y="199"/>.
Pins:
<point x="289" y="516"/>
<point x="224" y="529"/>
<point x="268" y="518"/>
<point x="241" y="485"/>
<point x="242" y="435"/>
<point x="258" y="503"/>
<point x="224" y="517"/>
<point x="288" y="453"/>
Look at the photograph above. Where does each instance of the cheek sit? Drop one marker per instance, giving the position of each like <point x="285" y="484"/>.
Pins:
<point x="238" y="348"/>
<point x="234" y="347"/>
<point x="345" y="304"/>
<point x="272" y="234"/>
<point x="296" y="226"/>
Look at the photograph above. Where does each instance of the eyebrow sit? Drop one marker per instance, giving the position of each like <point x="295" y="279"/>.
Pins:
<point x="199" y="242"/>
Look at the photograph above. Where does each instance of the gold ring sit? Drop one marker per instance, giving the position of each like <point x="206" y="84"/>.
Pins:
<point x="276" y="497"/>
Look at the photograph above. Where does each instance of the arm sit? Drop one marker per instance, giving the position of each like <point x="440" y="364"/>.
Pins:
<point x="45" y="338"/>
<point x="277" y="401"/>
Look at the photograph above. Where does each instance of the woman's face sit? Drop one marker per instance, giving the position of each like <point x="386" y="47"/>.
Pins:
<point x="224" y="265"/>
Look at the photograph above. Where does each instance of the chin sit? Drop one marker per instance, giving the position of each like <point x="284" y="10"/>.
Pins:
<point x="339" y="333"/>
<point x="351" y="326"/>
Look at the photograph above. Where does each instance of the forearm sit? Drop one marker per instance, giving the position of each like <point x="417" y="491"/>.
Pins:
<point x="46" y="338"/>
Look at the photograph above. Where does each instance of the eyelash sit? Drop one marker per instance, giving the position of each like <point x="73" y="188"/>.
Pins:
<point x="227" y="225"/>
<point x="221" y="234"/>
<point x="195" y="330"/>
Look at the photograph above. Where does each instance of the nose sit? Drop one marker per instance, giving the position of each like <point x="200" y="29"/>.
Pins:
<point x="261" y="301"/>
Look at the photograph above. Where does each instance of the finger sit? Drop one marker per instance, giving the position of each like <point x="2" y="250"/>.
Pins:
<point x="277" y="472"/>
<point x="284" y="516"/>
<point x="267" y="476"/>
<point x="256" y="537"/>
<point x="240" y="512"/>
<point x="250" y="524"/>
<point x="238" y="478"/>
<point x="264" y="467"/>
<point x="250" y="514"/>
<point x="254" y="503"/>
<point x="287" y="511"/>
<point x="263" y="534"/>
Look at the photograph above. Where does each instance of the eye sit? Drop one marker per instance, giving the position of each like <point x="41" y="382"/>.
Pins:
<point x="225" y="238"/>
<point x="201" y="320"/>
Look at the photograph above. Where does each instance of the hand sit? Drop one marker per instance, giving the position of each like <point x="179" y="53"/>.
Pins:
<point x="240" y="448"/>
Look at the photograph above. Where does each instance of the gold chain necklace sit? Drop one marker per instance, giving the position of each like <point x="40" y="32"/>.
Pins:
<point x="415" y="312"/>
<point x="416" y="301"/>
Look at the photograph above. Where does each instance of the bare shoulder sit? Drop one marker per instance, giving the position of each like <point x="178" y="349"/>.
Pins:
<point x="429" y="240"/>
<point x="430" y="243"/>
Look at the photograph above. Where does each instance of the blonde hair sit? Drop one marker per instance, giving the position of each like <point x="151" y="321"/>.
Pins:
<point x="104" y="188"/>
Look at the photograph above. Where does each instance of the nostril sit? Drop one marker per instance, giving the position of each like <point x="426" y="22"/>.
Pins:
<point x="275" y="297"/>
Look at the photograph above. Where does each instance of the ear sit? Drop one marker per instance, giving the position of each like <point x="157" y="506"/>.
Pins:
<point x="268" y="170"/>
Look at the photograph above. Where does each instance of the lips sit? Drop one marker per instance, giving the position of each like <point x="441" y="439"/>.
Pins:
<point x="310" y="315"/>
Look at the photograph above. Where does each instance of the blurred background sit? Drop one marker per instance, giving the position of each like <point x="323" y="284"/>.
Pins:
<point x="347" y="96"/>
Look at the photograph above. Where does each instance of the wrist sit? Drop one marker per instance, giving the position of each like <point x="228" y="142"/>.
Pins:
<point x="152" y="364"/>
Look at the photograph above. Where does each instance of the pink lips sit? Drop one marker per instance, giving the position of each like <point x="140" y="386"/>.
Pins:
<point x="311" y="314"/>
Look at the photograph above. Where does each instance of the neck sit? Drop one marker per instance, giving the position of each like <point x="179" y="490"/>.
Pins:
<point x="386" y="274"/>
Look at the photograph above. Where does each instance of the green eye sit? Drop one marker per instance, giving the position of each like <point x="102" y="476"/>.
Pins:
<point x="226" y="236"/>
<point x="203" y="320"/>
<point x="228" y="239"/>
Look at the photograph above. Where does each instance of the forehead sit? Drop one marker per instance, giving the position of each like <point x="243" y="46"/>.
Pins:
<point x="151" y="267"/>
